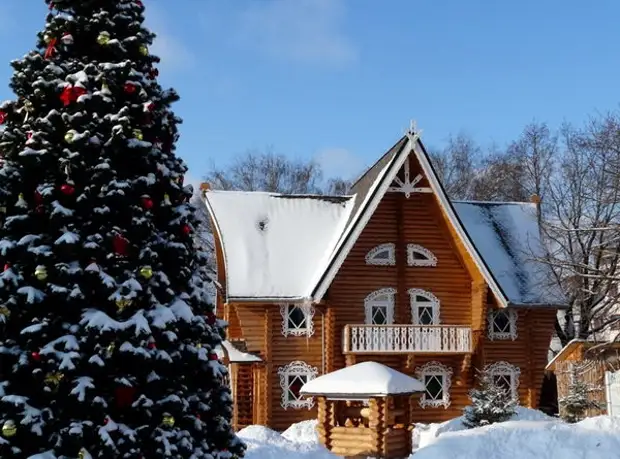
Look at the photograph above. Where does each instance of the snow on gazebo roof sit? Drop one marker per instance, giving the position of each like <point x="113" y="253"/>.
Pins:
<point x="362" y="380"/>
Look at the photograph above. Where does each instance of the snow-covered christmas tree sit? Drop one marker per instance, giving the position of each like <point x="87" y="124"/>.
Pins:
<point x="490" y="403"/>
<point x="107" y="337"/>
<point x="574" y="406"/>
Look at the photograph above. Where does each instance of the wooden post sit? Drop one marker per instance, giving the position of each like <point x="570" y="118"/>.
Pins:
<point x="267" y="399"/>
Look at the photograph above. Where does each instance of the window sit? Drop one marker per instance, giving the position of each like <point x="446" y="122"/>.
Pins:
<point x="502" y="324"/>
<point x="424" y="307"/>
<point x="505" y="375"/>
<point x="297" y="320"/>
<point x="384" y="254"/>
<point x="437" y="379"/>
<point x="419" y="256"/>
<point x="379" y="307"/>
<point x="292" y="378"/>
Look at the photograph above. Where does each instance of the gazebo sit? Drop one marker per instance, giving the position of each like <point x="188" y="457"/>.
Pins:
<point x="364" y="410"/>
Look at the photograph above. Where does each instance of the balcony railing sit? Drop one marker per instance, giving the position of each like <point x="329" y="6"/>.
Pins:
<point x="399" y="339"/>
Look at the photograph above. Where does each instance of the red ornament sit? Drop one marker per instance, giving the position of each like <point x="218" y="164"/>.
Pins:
<point x="7" y="266"/>
<point x="139" y="3"/>
<point x="153" y="73"/>
<point x="106" y="420"/>
<point x="130" y="88"/>
<point x="29" y="135"/>
<point x="3" y="116"/>
<point x="71" y="93"/>
<point x="35" y="356"/>
<point x="152" y="345"/>
<point x="124" y="396"/>
<point x="38" y="197"/>
<point x="213" y="357"/>
<point x="187" y="230"/>
<point x="67" y="189"/>
<point x="149" y="106"/>
<point x="211" y="318"/>
<point x="147" y="203"/>
<point x="51" y="48"/>
<point x="120" y="244"/>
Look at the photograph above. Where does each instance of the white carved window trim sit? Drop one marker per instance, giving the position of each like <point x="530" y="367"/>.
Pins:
<point x="506" y="333"/>
<point x="288" y="374"/>
<point x="433" y="302"/>
<point x="436" y="370"/>
<point x="374" y="300"/>
<point x="508" y="370"/>
<point x="429" y="257"/>
<point x="308" y="325"/>
<point x="371" y="256"/>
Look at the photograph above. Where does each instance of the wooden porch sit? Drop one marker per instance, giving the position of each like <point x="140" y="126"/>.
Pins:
<point x="403" y="339"/>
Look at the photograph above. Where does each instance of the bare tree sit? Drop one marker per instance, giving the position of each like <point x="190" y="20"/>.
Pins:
<point x="457" y="166"/>
<point x="581" y="225"/>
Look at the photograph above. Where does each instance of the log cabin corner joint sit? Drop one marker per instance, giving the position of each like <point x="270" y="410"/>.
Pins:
<point x="405" y="276"/>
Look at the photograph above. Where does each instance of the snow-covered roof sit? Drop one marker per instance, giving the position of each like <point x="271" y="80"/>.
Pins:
<point x="276" y="246"/>
<point x="235" y="355"/>
<point x="290" y="247"/>
<point x="363" y="380"/>
<point x="506" y="234"/>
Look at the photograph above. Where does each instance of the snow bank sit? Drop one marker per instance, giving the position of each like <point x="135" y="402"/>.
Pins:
<point x="529" y="435"/>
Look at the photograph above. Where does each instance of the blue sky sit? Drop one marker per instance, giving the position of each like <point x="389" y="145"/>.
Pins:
<point x="339" y="80"/>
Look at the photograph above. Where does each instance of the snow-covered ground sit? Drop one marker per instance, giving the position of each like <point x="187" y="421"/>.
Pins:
<point x="529" y="435"/>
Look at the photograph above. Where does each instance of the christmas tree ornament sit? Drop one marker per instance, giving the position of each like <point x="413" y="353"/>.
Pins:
<point x="7" y="266"/>
<point x="152" y="345"/>
<point x="168" y="420"/>
<point x="21" y="201"/>
<point x="166" y="201"/>
<point x="104" y="38"/>
<point x="51" y="48"/>
<point x="5" y="312"/>
<point x="149" y="106"/>
<point x="124" y="396"/>
<point x="130" y="88"/>
<point x="67" y="38"/>
<point x="47" y="38"/>
<point x="187" y="230"/>
<point x="67" y="189"/>
<point x="82" y="454"/>
<point x="199" y="345"/>
<point x="139" y="3"/>
<point x="153" y="73"/>
<point x="9" y="429"/>
<point x="120" y="244"/>
<point x="38" y="197"/>
<point x="26" y="108"/>
<point x="147" y="202"/>
<point x="111" y="348"/>
<point x="54" y="379"/>
<point x="29" y="135"/>
<point x="71" y="94"/>
<point x="3" y="116"/>
<point x="40" y="272"/>
<point x="36" y="356"/>
<point x="70" y="136"/>
<point x="122" y="303"/>
<point x="213" y="357"/>
<point x="211" y="318"/>
<point x="143" y="50"/>
<point x="137" y="133"/>
<point x="146" y="272"/>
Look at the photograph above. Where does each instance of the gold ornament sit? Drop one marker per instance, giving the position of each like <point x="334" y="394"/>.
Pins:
<point x="82" y="454"/>
<point x="137" y="133"/>
<point x="70" y="136"/>
<point x="111" y="347"/>
<point x="47" y="38"/>
<point x="2" y="209"/>
<point x="168" y="420"/>
<point x="167" y="199"/>
<point x="122" y="303"/>
<point x="54" y="379"/>
<point x="4" y="311"/>
<point x="40" y="272"/>
<point x="143" y="50"/>
<point x="104" y="38"/>
<point x="199" y="345"/>
<point x="146" y="272"/>
<point x="9" y="429"/>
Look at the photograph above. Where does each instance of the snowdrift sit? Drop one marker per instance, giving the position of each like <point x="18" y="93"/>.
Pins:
<point x="529" y="435"/>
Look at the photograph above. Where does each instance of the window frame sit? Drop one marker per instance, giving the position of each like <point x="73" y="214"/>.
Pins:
<point x="296" y="368"/>
<point x="389" y="261"/>
<point x="510" y="333"/>
<point x="415" y="304"/>
<point x="435" y="369"/>
<point x="372" y="301"/>
<point x="430" y="260"/>
<point x="308" y="311"/>
<point x="503" y="368"/>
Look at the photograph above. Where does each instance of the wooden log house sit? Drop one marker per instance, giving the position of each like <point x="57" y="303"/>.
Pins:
<point x="394" y="273"/>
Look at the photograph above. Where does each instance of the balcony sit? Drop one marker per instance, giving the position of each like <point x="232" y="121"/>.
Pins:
<point x="404" y="339"/>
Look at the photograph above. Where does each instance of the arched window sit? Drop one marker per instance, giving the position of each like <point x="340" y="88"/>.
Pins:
<point x="297" y="319"/>
<point x="424" y="307"/>
<point x="437" y="379"/>
<point x="379" y="307"/>
<point x="292" y="378"/>
<point x="420" y="256"/>
<point x="383" y="254"/>
<point x="502" y="324"/>
<point x="505" y="375"/>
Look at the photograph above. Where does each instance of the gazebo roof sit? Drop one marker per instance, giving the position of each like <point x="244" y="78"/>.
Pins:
<point x="362" y="380"/>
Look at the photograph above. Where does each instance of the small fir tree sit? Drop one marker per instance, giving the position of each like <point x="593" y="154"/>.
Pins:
<point x="491" y="403"/>
<point x="108" y="336"/>
<point x="573" y="407"/>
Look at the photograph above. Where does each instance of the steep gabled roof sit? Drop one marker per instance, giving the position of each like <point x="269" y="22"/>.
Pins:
<point x="499" y="237"/>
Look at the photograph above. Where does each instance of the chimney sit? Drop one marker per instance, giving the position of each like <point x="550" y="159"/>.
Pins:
<point x="204" y="187"/>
